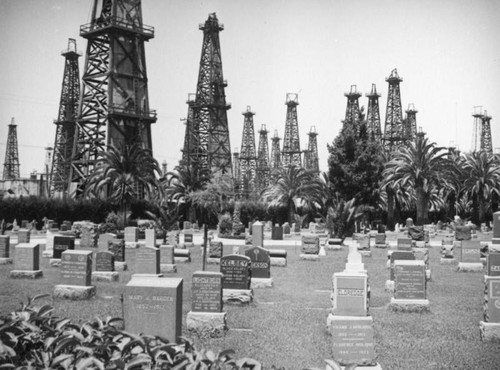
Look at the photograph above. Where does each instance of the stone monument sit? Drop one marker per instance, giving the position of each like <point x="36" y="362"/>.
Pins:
<point x="167" y="260"/>
<point x="260" y="267"/>
<point x="26" y="262"/>
<point x="410" y="288"/>
<point x="236" y="280"/>
<point x="76" y="270"/>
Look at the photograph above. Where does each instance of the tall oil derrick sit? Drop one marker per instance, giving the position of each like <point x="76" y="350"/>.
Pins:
<point x="275" y="153"/>
<point x="11" y="163"/>
<point x="486" y="144"/>
<point x="410" y="125"/>
<point x="477" y="130"/>
<point x="393" y="130"/>
<point x="352" y="117"/>
<point x="248" y="155"/>
<point x="114" y="104"/>
<point x="263" y="170"/>
<point x="311" y="160"/>
<point x="210" y="108"/>
<point x="190" y="150"/>
<point x="291" y="154"/>
<point x="373" y="114"/>
<point x="236" y="170"/>
<point x="65" y="122"/>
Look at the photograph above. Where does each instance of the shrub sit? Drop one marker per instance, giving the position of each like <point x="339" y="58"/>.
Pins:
<point x="225" y="224"/>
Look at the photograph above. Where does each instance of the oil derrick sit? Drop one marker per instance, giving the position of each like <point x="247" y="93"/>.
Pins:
<point x="248" y="156"/>
<point x="291" y="154"/>
<point x="393" y="130"/>
<point x="263" y="170"/>
<point x="275" y="154"/>
<point x="236" y="170"/>
<point x="210" y="108"/>
<point x="311" y="161"/>
<point x="477" y="130"/>
<point x="190" y="152"/>
<point x="114" y="104"/>
<point x="373" y="114"/>
<point x="410" y="124"/>
<point x="352" y="118"/>
<point x="486" y="144"/>
<point x="11" y="164"/>
<point x="65" y="122"/>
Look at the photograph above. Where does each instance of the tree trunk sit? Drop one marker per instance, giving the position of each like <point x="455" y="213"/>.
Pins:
<point x="290" y="212"/>
<point x="390" y="209"/>
<point x="422" y="207"/>
<point x="481" y="210"/>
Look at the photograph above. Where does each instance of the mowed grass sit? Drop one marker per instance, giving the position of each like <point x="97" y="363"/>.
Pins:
<point x="286" y="325"/>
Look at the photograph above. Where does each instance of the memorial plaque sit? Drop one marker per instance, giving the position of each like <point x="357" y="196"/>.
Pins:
<point x="493" y="264"/>
<point x="117" y="247"/>
<point x="131" y="234"/>
<point x="150" y="235"/>
<point x="61" y="244"/>
<point x="153" y="306"/>
<point x="493" y="300"/>
<point x="4" y="246"/>
<point x="277" y="233"/>
<point x="496" y="225"/>
<point x="188" y="237"/>
<point x="23" y="236"/>
<point x="310" y="244"/>
<point x="380" y="238"/>
<point x="104" y="261"/>
<point x="404" y="244"/>
<point x="147" y="261"/>
<point x="76" y="267"/>
<point x="350" y="294"/>
<point x="353" y="341"/>
<point x="207" y="292"/>
<point x="471" y="251"/>
<point x="236" y="272"/>
<point x="102" y="242"/>
<point x="258" y="234"/>
<point x="215" y="249"/>
<point x="400" y="255"/>
<point x="27" y="257"/>
<point x="167" y="254"/>
<point x="410" y="280"/>
<point x="260" y="262"/>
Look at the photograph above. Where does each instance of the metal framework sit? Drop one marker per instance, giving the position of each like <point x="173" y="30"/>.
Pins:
<point x="311" y="160"/>
<point x="275" y="153"/>
<point x="11" y="163"/>
<point x="352" y="114"/>
<point x="393" y="130"/>
<point x="190" y="150"/>
<point x="248" y="155"/>
<point x="291" y="154"/>
<point x="263" y="170"/>
<point x="236" y="169"/>
<point x="114" y="104"/>
<point x="65" y="122"/>
<point x="373" y="124"/>
<point x="486" y="144"/>
<point x="210" y="129"/>
<point x="477" y="130"/>
<point x="410" y="125"/>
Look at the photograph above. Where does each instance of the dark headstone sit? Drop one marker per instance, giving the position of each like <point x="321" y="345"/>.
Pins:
<point x="286" y="228"/>
<point x="104" y="261"/>
<point x="62" y="243"/>
<point x="261" y="262"/>
<point x="24" y="224"/>
<point x="187" y="225"/>
<point x="277" y="233"/>
<point x="188" y="237"/>
<point x="380" y="238"/>
<point x="236" y="271"/>
<point x="463" y="232"/>
<point x="207" y="292"/>
<point x="215" y="249"/>
<point x="76" y="267"/>
<point x="493" y="264"/>
<point x="27" y="257"/>
<point x="147" y="261"/>
<point x="4" y="246"/>
<point x="496" y="225"/>
<point x="117" y="247"/>
<point x="310" y="244"/>
<point x="409" y="280"/>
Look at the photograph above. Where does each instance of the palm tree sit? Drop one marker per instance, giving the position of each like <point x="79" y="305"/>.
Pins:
<point x="295" y="187"/>
<point x="421" y="166"/>
<point x="481" y="179"/>
<point x="123" y="176"/>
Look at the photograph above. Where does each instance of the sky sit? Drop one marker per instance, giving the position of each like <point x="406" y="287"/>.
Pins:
<point x="446" y="51"/>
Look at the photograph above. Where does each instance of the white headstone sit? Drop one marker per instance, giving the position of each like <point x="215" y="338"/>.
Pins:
<point x="354" y="260"/>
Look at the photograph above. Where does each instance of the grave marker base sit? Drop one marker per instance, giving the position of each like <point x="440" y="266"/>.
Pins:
<point x="213" y="261"/>
<point x="207" y="324"/>
<point x="333" y="247"/>
<point x="237" y="296"/>
<point x="410" y="305"/>
<point x="26" y="274"/>
<point x="55" y="262"/>
<point x="132" y="245"/>
<point x="107" y="276"/>
<point x="365" y="253"/>
<point x="5" y="261"/>
<point x="278" y="261"/>
<point x="309" y="257"/>
<point x="259" y="283"/>
<point x="168" y="267"/>
<point x="120" y="266"/>
<point x="74" y="292"/>
<point x="48" y="253"/>
<point x="470" y="266"/>
<point x="490" y="332"/>
<point x="447" y="261"/>
<point x="389" y="286"/>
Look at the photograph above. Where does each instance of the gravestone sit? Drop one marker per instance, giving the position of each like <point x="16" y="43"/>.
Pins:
<point x="416" y="233"/>
<point x="61" y="244"/>
<point x="104" y="261"/>
<point x="23" y="236"/>
<point x="167" y="259"/>
<point x="380" y="239"/>
<point x="260" y="263"/>
<point x="147" y="261"/>
<point x="399" y="255"/>
<point x="206" y="292"/>
<point x="154" y="306"/>
<point x="102" y="242"/>
<point x="310" y="247"/>
<point x="277" y="232"/>
<point x="493" y="263"/>
<point x="131" y="234"/>
<point x="24" y="224"/>
<point x="410" y="282"/>
<point x="215" y="250"/>
<point x="364" y="244"/>
<point x="463" y="232"/>
<point x="258" y="234"/>
<point x="26" y="261"/>
<point x="187" y="225"/>
<point x="250" y="228"/>
<point x="496" y="228"/>
<point x="286" y="228"/>
<point x="76" y="275"/>
<point x="5" y="250"/>
<point x="150" y="235"/>
<point x="268" y="226"/>
<point x="350" y="294"/>
<point x="188" y="238"/>
<point x="236" y="272"/>
<point x="489" y="329"/>
<point x="296" y="227"/>
<point x="404" y="244"/>
<point x="470" y="251"/>
<point x="89" y="236"/>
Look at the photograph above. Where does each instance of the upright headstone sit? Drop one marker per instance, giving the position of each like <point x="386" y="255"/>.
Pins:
<point x="496" y="228"/>
<point x="5" y="250"/>
<point x="61" y="244"/>
<point x="404" y="244"/>
<point x="26" y="261"/>
<point x="76" y="275"/>
<point x="236" y="280"/>
<point x="410" y="287"/>
<point x="187" y="235"/>
<point x="104" y="261"/>
<point x="147" y="261"/>
<point x="187" y="225"/>
<point x="23" y="236"/>
<point x="215" y="250"/>
<point x="258" y="234"/>
<point x="260" y="267"/>
<point x="310" y="247"/>
<point x="286" y="228"/>
<point x="380" y="240"/>
<point x="470" y="256"/>
<point x="277" y="232"/>
<point x="173" y="238"/>
<point x="493" y="264"/>
<point x="102" y="242"/>
<point x="167" y="261"/>
<point x="463" y="232"/>
<point x="350" y="294"/>
<point x="131" y="234"/>
<point x="150" y="235"/>
<point x="154" y="306"/>
<point x="399" y="255"/>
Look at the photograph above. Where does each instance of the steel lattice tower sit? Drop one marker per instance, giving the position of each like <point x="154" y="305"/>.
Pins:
<point x="373" y="114"/>
<point x="410" y="126"/>
<point x="210" y="109"/>
<point x="291" y="154"/>
<point x="263" y="170"/>
<point x="477" y="130"/>
<point x="486" y="144"/>
<point x="311" y="160"/>
<point x="11" y="164"/>
<point x="236" y="169"/>
<point x="114" y="104"/>
<point x="248" y="155"/>
<point x="352" y="118"/>
<point x="393" y="130"/>
<point x="190" y="152"/>
<point x="65" y="122"/>
<point x="275" y="153"/>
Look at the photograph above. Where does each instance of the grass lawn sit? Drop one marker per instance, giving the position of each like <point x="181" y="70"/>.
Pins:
<point x="286" y="325"/>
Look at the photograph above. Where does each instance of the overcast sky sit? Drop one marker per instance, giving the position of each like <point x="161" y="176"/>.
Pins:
<point x="446" y="51"/>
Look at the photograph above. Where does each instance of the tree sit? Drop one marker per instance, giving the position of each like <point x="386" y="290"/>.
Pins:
<point x="295" y="188"/>
<point x="123" y="176"/>
<point x="421" y="166"/>
<point x="481" y="174"/>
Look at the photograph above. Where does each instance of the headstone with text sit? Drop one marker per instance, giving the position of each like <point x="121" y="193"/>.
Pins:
<point x="147" y="261"/>
<point x="76" y="267"/>
<point x="410" y="282"/>
<point x="167" y="258"/>
<point x="310" y="244"/>
<point x="103" y="240"/>
<point x="470" y="251"/>
<point x="236" y="272"/>
<point x="258" y="234"/>
<point x="61" y="244"/>
<point x="131" y="234"/>
<point x="150" y="235"/>
<point x="277" y="232"/>
<point x="104" y="261"/>
<point x="206" y="291"/>
<point x="350" y="294"/>
<point x="404" y="244"/>
<point x="399" y="255"/>
<point x="260" y="262"/>
<point x="493" y="264"/>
